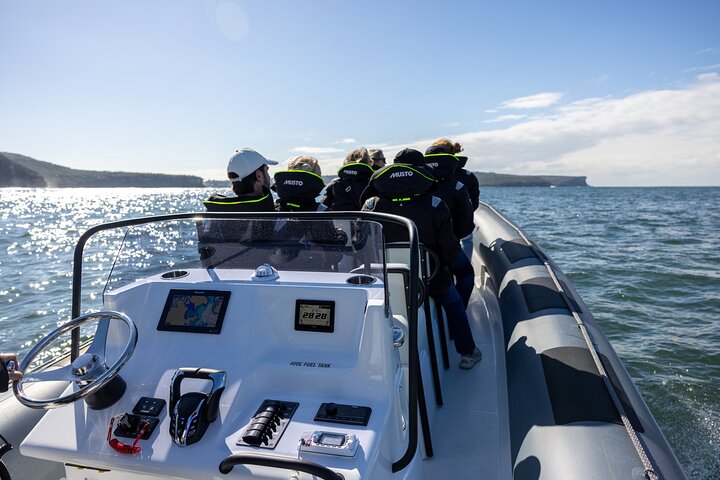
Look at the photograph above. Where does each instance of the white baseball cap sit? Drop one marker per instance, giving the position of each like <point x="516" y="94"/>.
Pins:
<point x="244" y="162"/>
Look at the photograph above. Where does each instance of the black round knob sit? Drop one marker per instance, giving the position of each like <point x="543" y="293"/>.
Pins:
<point x="331" y="409"/>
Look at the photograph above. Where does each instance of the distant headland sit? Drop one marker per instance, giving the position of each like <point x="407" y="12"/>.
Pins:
<point x="22" y="171"/>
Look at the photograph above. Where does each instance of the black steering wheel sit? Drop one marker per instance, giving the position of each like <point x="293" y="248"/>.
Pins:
<point x="89" y="370"/>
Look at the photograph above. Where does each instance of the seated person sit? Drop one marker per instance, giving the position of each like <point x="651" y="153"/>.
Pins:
<point x="378" y="158"/>
<point x="299" y="186"/>
<point x="297" y="189"/>
<point x="402" y="189"/>
<point x="248" y="172"/>
<point x="219" y="241"/>
<point x="343" y="193"/>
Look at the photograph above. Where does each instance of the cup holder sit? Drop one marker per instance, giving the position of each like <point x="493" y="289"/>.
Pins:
<point x="174" y="274"/>
<point x="361" y="280"/>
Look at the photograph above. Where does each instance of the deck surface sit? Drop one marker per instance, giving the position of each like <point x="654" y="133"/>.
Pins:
<point x="469" y="432"/>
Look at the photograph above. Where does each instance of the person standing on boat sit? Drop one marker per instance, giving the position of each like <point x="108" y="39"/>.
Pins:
<point x="8" y="370"/>
<point x="443" y="166"/>
<point x="378" y="158"/>
<point x="343" y="193"/>
<point x="403" y="188"/>
<point x="248" y="172"/>
<point x="468" y="179"/>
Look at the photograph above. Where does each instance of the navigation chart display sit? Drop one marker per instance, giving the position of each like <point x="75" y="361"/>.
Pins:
<point x="194" y="311"/>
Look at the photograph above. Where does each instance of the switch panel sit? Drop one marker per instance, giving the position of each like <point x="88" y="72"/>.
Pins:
<point x="268" y="424"/>
<point x="149" y="406"/>
<point x="347" y="414"/>
<point x="129" y="426"/>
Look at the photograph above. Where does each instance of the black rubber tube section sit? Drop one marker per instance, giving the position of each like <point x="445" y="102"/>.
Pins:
<point x="312" y="468"/>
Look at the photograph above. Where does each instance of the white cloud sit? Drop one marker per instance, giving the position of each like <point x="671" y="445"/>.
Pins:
<point x="599" y="80"/>
<point x="705" y="51"/>
<point x="505" y="118"/>
<point x="657" y="137"/>
<point x="348" y="141"/>
<point x="705" y="68"/>
<point x="708" y="77"/>
<point x="317" y="150"/>
<point x="540" y="100"/>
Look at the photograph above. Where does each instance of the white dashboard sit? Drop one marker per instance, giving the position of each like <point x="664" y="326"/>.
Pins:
<point x="265" y="357"/>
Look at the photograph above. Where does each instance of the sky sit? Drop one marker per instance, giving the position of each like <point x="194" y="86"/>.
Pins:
<point x="626" y="92"/>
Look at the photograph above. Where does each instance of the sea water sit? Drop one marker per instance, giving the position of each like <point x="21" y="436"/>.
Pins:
<point x="646" y="261"/>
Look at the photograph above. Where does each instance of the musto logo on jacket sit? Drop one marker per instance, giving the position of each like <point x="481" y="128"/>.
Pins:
<point x="298" y="186"/>
<point x="400" y="179"/>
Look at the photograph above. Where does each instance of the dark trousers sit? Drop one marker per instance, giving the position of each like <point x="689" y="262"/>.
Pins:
<point x="457" y="320"/>
<point x="464" y="274"/>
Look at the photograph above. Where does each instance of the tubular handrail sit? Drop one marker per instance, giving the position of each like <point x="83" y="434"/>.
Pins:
<point x="315" y="469"/>
<point x="414" y="364"/>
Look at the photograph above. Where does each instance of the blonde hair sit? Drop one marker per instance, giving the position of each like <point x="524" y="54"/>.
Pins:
<point x="360" y="155"/>
<point x="376" y="154"/>
<point x="309" y="164"/>
<point x="448" y="145"/>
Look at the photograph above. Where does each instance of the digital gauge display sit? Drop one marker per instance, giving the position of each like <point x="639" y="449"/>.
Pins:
<point x="315" y="315"/>
<point x="332" y="440"/>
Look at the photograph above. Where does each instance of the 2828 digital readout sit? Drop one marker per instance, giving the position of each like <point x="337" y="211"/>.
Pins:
<point x="315" y="315"/>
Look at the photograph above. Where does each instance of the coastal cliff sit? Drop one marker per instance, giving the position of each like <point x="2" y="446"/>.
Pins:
<point x="15" y="175"/>
<point x="21" y="171"/>
<point x="490" y="179"/>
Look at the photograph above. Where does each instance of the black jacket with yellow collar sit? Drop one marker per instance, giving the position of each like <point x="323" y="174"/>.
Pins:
<point x="242" y="203"/>
<point x="401" y="189"/>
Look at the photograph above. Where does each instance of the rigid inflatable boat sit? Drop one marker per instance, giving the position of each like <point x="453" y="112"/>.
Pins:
<point x="298" y="346"/>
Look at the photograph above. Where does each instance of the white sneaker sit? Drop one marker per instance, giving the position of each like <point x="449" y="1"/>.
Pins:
<point x="468" y="361"/>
